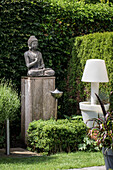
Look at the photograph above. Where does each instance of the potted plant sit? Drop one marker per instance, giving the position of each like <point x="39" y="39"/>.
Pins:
<point x="103" y="128"/>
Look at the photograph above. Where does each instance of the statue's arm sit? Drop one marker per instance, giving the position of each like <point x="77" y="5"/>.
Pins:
<point x="42" y="62"/>
<point x="28" y="64"/>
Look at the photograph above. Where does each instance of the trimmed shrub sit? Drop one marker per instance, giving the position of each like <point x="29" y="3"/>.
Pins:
<point x="55" y="136"/>
<point x="97" y="45"/>
<point x="9" y="108"/>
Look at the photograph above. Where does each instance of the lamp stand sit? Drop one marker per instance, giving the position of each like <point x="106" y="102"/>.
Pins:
<point x="7" y="138"/>
<point x="94" y="89"/>
<point x="56" y="109"/>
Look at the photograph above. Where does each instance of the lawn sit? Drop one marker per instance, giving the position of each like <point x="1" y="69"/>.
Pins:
<point x="53" y="162"/>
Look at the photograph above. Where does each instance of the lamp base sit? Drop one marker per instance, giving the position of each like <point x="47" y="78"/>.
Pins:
<point x="90" y="111"/>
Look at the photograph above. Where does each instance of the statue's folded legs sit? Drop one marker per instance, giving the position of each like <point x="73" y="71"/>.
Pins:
<point x="49" y="72"/>
<point x="41" y="72"/>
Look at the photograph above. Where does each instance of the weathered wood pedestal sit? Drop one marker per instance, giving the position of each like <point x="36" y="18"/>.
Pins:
<point x="36" y="101"/>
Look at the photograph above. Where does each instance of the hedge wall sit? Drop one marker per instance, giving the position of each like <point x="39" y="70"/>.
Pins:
<point x="97" y="45"/>
<point x="54" y="26"/>
<point x="55" y="136"/>
<point x="60" y="2"/>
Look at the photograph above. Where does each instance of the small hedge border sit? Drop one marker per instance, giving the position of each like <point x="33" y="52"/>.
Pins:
<point x="55" y="136"/>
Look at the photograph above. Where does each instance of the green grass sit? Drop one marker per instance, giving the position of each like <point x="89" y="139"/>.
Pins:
<point x="53" y="162"/>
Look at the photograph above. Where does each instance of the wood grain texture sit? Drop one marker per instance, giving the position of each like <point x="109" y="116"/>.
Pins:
<point x="36" y="101"/>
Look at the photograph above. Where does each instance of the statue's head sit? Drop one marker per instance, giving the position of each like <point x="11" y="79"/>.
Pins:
<point x="32" y="42"/>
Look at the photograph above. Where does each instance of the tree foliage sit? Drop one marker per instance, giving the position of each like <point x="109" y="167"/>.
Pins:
<point x="9" y="103"/>
<point x="55" y="26"/>
<point x="9" y="109"/>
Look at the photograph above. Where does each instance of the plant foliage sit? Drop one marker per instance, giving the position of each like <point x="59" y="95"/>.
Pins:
<point x="9" y="103"/>
<point x="88" y="145"/>
<point x="55" y="136"/>
<point x="103" y="127"/>
<point x="9" y="108"/>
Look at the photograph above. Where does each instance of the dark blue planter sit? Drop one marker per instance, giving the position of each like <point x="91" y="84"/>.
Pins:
<point x="108" y="158"/>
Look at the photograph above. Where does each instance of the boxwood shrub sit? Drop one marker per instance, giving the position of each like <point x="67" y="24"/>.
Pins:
<point x="55" y="136"/>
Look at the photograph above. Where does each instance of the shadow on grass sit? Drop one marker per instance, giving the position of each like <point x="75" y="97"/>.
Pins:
<point x="27" y="160"/>
<point x="53" y="162"/>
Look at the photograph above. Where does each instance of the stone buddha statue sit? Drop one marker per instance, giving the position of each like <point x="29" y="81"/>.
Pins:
<point x="34" y="60"/>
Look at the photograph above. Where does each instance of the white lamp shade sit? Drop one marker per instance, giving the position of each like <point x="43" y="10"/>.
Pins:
<point x="95" y="71"/>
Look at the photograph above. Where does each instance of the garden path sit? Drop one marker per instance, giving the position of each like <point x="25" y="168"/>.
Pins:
<point x="18" y="152"/>
<point x="92" y="168"/>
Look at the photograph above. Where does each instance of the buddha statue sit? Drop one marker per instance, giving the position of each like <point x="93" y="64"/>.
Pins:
<point x="34" y="60"/>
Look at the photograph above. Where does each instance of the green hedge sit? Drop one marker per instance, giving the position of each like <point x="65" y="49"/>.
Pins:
<point x="55" y="136"/>
<point x="61" y="2"/>
<point x="55" y="26"/>
<point x="97" y="45"/>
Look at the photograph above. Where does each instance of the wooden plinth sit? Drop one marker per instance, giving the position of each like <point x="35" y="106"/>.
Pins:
<point x="36" y="101"/>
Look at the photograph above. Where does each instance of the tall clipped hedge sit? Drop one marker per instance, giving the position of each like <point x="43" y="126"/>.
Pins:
<point x="66" y="1"/>
<point x="55" y="26"/>
<point x="92" y="46"/>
